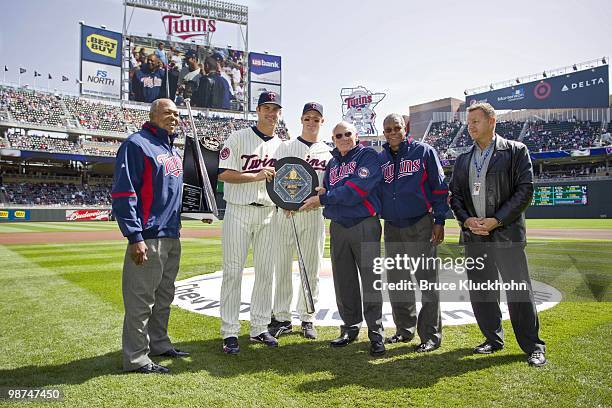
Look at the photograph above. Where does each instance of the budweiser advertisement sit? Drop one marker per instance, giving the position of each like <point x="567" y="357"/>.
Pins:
<point x="358" y="108"/>
<point x="88" y="215"/>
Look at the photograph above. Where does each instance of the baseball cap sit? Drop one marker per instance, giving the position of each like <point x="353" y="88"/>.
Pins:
<point x="269" y="97"/>
<point x="191" y="54"/>
<point x="313" y="106"/>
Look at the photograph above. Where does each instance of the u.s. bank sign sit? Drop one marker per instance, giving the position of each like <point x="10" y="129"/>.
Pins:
<point x="201" y="294"/>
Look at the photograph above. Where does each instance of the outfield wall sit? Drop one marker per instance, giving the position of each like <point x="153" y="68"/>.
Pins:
<point x="599" y="202"/>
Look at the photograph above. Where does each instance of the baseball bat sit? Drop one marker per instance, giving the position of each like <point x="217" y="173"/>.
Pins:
<point x="209" y="193"/>
<point x="305" y="283"/>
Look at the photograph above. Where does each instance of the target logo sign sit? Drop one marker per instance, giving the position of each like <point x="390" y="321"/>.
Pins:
<point x="542" y="90"/>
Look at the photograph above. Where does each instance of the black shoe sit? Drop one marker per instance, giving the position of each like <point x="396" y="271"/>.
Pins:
<point x="308" y="330"/>
<point x="344" y="340"/>
<point x="537" y="359"/>
<point x="399" y="338"/>
<point x="276" y="328"/>
<point x="426" y="347"/>
<point x="377" y="348"/>
<point x="152" y="368"/>
<point x="174" y="353"/>
<point x="230" y="345"/>
<point x="265" y="338"/>
<point x="487" y="348"/>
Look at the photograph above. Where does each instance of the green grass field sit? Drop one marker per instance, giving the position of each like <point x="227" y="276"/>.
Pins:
<point x="62" y="317"/>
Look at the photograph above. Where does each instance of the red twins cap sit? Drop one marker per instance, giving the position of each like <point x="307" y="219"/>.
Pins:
<point x="313" y="106"/>
<point x="269" y="97"/>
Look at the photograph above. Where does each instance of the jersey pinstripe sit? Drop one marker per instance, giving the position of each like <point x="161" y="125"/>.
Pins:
<point x="245" y="225"/>
<point x="311" y="234"/>
<point x="246" y="152"/>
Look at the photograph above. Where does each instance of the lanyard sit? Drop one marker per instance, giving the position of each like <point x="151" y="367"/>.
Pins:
<point x="484" y="159"/>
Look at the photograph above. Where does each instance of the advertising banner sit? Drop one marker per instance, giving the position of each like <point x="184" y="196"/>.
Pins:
<point x="14" y="215"/>
<point x="588" y="88"/>
<point x="88" y="215"/>
<point x="265" y="68"/>
<point x="256" y="90"/>
<point x="100" y="80"/>
<point x="102" y="46"/>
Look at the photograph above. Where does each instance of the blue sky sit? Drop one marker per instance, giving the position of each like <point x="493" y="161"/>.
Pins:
<point x="413" y="51"/>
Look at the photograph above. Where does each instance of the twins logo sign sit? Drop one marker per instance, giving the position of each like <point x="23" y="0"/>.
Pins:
<point x="173" y="165"/>
<point x="358" y="108"/>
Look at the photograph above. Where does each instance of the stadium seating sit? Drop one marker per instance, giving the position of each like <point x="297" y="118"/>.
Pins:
<point x="28" y="106"/>
<point x="555" y="135"/>
<point x="441" y="134"/>
<point x="57" y="194"/>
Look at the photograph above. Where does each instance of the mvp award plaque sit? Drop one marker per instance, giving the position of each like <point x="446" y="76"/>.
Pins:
<point x="294" y="182"/>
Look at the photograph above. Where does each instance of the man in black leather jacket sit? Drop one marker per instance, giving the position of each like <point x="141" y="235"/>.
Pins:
<point x="491" y="187"/>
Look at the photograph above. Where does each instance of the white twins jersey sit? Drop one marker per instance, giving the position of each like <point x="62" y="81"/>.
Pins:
<point x="317" y="155"/>
<point x="246" y="152"/>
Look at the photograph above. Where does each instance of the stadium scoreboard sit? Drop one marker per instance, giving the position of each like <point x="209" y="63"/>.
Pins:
<point x="559" y="195"/>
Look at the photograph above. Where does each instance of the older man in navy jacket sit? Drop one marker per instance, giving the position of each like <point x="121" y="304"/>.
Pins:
<point x="414" y="207"/>
<point x="147" y="194"/>
<point x="351" y="196"/>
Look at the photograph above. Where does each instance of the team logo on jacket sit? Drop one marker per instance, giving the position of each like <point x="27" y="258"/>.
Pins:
<point x="173" y="165"/>
<point x="337" y="173"/>
<point x="225" y="153"/>
<point x="406" y="168"/>
<point x="363" y="172"/>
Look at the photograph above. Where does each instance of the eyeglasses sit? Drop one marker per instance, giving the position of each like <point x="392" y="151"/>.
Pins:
<point x="395" y="129"/>
<point x="345" y="134"/>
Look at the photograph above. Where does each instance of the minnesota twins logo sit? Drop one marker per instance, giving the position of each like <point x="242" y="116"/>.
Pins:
<point x="225" y="153"/>
<point x="172" y="164"/>
<point x="363" y="172"/>
<point x="337" y="173"/>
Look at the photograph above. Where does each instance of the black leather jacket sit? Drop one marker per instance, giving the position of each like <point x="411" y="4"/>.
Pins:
<point x="509" y="189"/>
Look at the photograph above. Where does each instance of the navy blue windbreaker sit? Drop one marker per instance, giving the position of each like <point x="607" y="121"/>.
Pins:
<point x="352" y="184"/>
<point x="147" y="187"/>
<point x="413" y="184"/>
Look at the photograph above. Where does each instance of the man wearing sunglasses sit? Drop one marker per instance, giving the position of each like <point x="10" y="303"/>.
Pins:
<point x="351" y="196"/>
<point x="414" y="207"/>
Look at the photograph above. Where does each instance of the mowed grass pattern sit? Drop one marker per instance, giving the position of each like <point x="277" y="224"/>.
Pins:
<point x="63" y="313"/>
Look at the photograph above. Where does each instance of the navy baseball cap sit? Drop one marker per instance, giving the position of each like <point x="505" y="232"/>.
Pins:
<point x="191" y="54"/>
<point x="269" y="97"/>
<point x="313" y="106"/>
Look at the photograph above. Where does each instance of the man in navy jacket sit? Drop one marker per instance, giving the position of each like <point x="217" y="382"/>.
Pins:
<point x="414" y="207"/>
<point x="147" y="194"/>
<point x="148" y="83"/>
<point x="351" y="196"/>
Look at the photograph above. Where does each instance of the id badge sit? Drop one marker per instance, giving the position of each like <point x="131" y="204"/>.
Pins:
<point x="476" y="189"/>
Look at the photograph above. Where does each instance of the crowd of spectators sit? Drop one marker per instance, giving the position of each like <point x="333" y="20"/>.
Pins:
<point x="40" y="142"/>
<point x="555" y="135"/>
<point x="441" y="134"/>
<point x="97" y="116"/>
<point x="28" y="106"/>
<point x="57" y="194"/>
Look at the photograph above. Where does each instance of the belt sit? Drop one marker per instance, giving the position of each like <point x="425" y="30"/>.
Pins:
<point x="256" y="205"/>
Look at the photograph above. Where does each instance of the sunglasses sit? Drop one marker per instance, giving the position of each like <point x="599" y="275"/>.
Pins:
<point x="341" y="135"/>
<point x="391" y="130"/>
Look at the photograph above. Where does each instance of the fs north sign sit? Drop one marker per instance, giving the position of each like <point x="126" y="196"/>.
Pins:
<point x="102" y="46"/>
<point x="186" y="27"/>
<point x="100" y="80"/>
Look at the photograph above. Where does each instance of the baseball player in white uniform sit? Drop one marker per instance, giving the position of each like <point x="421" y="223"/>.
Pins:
<point x="310" y="230"/>
<point x="245" y="163"/>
